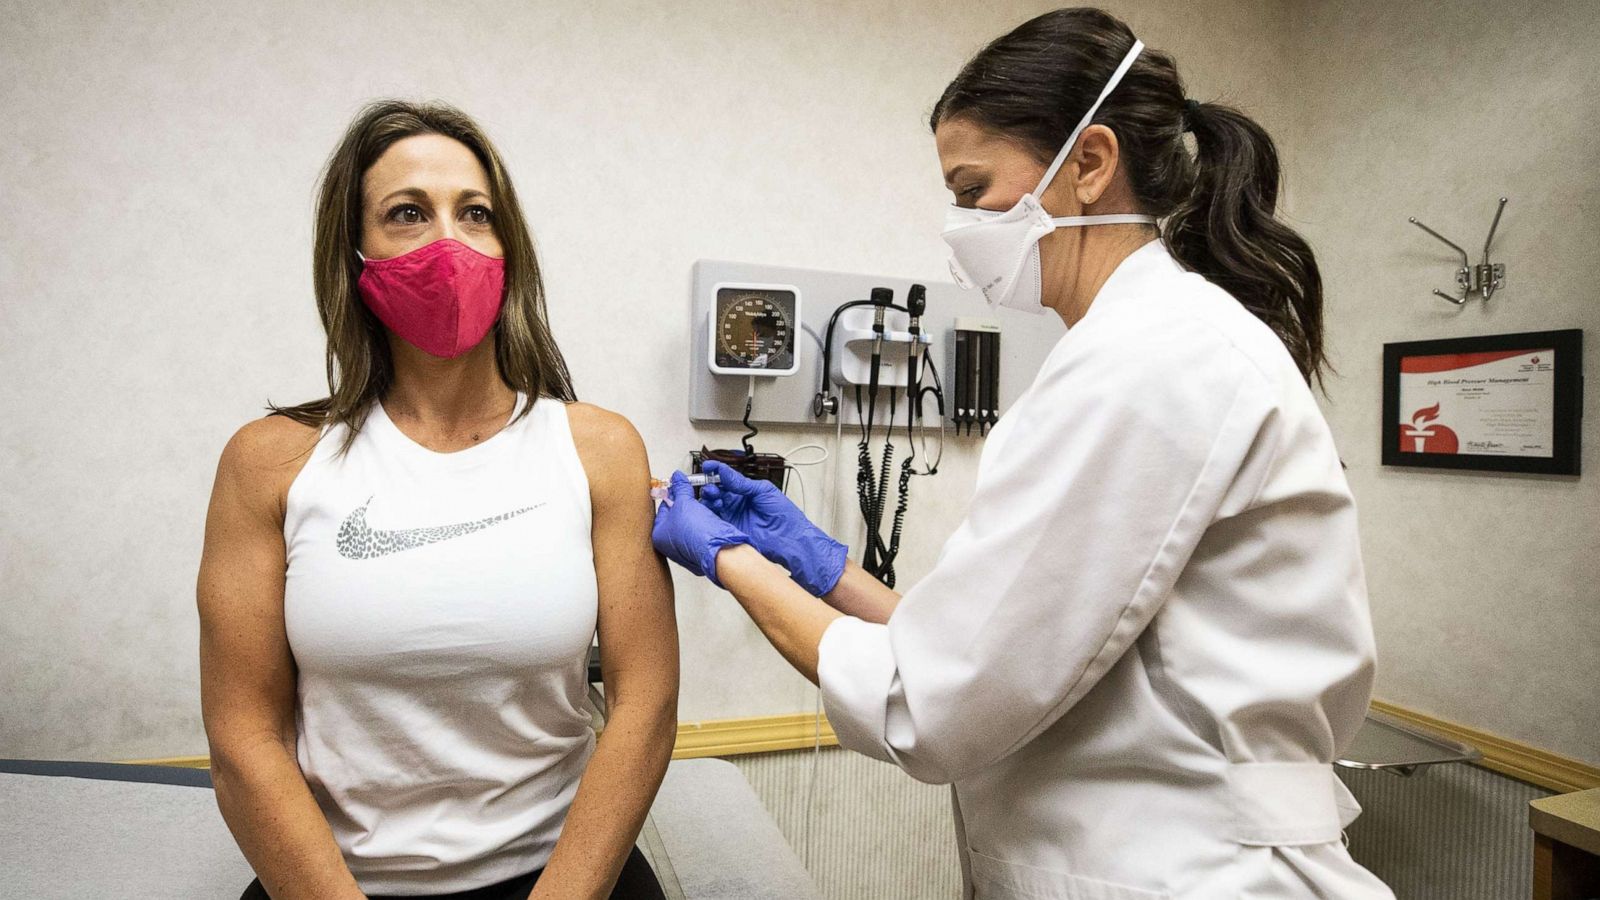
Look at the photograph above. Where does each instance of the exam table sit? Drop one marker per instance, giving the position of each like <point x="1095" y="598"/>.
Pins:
<point x="83" y="829"/>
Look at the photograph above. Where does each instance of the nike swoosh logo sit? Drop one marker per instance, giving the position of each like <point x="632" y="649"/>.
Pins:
<point x="358" y="540"/>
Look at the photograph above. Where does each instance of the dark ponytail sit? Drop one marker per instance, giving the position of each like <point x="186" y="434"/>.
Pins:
<point x="1217" y="203"/>
<point x="1226" y="231"/>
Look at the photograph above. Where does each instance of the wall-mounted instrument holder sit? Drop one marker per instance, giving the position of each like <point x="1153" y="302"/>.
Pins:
<point x="721" y="399"/>
<point x="1483" y="279"/>
<point x="853" y="340"/>
<point x="976" y="375"/>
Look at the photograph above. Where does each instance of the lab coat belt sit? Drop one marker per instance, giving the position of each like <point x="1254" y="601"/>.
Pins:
<point x="1286" y="804"/>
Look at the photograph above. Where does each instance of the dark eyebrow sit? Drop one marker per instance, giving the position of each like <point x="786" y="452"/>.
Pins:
<point x="420" y="194"/>
<point x="950" y="176"/>
<point x="413" y="193"/>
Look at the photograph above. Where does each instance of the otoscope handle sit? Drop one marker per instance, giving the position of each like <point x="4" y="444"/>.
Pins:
<point x="881" y="298"/>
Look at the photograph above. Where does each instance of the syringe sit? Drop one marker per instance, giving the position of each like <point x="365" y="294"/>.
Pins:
<point x="658" y="487"/>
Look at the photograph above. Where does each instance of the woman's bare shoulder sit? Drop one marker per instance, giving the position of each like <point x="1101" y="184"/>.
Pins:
<point x="272" y="441"/>
<point x="608" y="445"/>
<point x="266" y="454"/>
<point x="598" y="426"/>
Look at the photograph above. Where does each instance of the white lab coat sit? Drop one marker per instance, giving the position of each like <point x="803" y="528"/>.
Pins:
<point x="1137" y="656"/>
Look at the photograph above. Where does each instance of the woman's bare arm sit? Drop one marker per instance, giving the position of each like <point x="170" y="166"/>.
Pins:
<point x="247" y="674"/>
<point x="639" y="659"/>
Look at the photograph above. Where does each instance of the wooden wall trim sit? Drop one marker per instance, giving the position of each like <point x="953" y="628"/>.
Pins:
<point x="798" y="731"/>
<point x="1515" y="759"/>
<point x="761" y="734"/>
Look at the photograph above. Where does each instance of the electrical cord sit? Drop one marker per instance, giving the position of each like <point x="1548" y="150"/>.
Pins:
<point x="836" y="455"/>
<point x="890" y="554"/>
<point x="865" y="488"/>
<point x="873" y="476"/>
<point x="938" y="395"/>
<point x="794" y="466"/>
<point x="799" y="479"/>
<point x="874" y="502"/>
<point x="914" y="398"/>
<point x="907" y="469"/>
<point x="816" y="746"/>
<point x="886" y="558"/>
<point x="749" y="403"/>
<point x="813" y="462"/>
<point x="811" y="785"/>
<point x="872" y="487"/>
<point x="868" y="490"/>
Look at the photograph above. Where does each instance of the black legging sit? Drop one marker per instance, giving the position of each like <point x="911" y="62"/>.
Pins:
<point x="637" y="882"/>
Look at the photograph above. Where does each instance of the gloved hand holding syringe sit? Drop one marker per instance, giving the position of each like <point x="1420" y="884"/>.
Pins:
<point x="746" y="510"/>
<point x="659" y="488"/>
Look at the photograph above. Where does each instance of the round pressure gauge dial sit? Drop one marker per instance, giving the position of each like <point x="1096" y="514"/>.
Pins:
<point x="753" y="330"/>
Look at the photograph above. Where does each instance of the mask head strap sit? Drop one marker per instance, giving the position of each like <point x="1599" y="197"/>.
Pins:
<point x="1107" y="219"/>
<point x="1072" y="139"/>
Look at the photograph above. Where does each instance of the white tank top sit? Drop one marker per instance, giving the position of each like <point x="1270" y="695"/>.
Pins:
<point x="440" y="608"/>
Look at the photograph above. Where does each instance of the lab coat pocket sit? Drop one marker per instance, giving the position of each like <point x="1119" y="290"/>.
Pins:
<point x="994" y="879"/>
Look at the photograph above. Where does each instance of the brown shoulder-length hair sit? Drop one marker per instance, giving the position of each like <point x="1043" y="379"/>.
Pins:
<point x="360" y="368"/>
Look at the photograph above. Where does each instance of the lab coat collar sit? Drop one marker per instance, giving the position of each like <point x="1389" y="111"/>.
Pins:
<point x="1132" y="276"/>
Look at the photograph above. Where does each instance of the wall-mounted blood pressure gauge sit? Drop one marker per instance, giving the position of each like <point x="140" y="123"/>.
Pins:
<point x="754" y="329"/>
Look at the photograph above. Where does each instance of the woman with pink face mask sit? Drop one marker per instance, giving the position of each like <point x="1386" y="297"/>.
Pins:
<point x="401" y="581"/>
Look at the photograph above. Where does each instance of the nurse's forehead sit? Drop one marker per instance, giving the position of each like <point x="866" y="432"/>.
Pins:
<point x="428" y="162"/>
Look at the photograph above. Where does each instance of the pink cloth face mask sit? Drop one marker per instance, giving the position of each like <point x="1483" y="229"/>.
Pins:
<point x="442" y="297"/>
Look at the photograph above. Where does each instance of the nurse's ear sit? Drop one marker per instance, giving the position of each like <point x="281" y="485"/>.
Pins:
<point x="1091" y="181"/>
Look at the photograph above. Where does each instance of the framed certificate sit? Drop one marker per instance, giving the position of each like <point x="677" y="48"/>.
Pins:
<point x="1503" y="403"/>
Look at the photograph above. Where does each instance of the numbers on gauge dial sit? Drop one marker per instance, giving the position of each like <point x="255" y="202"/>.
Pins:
<point x="754" y="330"/>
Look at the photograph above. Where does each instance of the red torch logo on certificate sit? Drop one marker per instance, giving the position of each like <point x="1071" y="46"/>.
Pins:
<point x="1423" y="434"/>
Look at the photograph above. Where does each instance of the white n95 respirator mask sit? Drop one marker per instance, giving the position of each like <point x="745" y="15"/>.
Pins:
<point x="998" y="252"/>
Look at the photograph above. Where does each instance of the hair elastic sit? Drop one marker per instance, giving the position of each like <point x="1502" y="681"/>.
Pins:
<point x="1191" y="111"/>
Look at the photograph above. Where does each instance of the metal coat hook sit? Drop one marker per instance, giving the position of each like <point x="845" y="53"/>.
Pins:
<point x="1484" y="278"/>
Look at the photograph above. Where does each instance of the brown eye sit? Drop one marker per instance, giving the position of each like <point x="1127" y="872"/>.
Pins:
<point x="405" y="214"/>
<point x="479" y="215"/>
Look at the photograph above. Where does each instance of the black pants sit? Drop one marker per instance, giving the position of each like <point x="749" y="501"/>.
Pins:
<point x="637" y="882"/>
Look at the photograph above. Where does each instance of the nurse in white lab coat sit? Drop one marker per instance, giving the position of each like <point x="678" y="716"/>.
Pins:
<point x="1141" y="650"/>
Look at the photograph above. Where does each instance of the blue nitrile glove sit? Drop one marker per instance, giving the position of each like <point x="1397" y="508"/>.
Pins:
<point x="776" y="527"/>
<point x="689" y="534"/>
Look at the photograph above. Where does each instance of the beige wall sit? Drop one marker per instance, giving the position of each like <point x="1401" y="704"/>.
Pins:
<point x="1485" y="588"/>
<point x="156" y="180"/>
